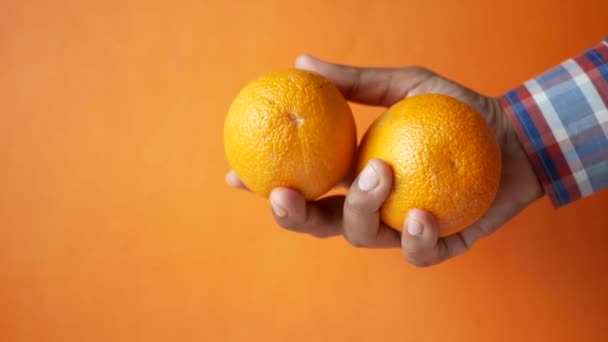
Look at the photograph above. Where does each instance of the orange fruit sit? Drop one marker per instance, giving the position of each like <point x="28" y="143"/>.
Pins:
<point x="444" y="156"/>
<point x="290" y="128"/>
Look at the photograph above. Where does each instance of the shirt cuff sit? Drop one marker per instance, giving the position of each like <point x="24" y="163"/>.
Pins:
<point x="561" y="118"/>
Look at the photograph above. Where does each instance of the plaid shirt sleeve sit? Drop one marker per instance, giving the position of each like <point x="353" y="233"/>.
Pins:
<point x="561" y="118"/>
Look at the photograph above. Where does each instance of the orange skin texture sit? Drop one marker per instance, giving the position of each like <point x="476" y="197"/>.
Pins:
<point x="290" y="128"/>
<point x="445" y="160"/>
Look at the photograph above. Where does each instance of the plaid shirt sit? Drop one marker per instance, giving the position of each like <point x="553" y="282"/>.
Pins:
<point x="562" y="119"/>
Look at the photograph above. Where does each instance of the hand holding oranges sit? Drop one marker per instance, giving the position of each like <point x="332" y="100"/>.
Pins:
<point x="360" y="215"/>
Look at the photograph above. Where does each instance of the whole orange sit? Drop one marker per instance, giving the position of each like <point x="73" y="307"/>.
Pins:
<point x="444" y="156"/>
<point x="290" y="128"/>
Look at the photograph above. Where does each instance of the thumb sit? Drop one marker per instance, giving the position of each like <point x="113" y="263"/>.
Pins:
<point x="371" y="86"/>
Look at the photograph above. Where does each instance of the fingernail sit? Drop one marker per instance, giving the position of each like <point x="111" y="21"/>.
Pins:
<point x="232" y="179"/>
<point x="277" y="209"/>
<point x="368" y="179"/>
<point x="303" y="61"/>
<point x="414" y="227"/>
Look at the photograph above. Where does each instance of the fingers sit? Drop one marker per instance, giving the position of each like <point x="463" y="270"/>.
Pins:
<point x="361" y="221"/>
<point x="371" y="86"/>
<point x="419" y="239"/>
<point x="421" y="243"/>
<point x="423" y="247"/>
<point x="322" y="218"/>
<point x="493" y="219"/>
<point x="233" y="180"/>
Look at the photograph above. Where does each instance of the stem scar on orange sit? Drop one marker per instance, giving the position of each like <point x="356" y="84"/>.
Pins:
<point x="290" y="128"/>
<point x="444" y="156"/>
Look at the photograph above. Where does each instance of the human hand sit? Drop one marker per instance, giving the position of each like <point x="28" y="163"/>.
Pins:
<point x="356" y="215"/>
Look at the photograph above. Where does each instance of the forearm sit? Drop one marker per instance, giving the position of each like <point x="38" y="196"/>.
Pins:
<point x="561" y="118"/>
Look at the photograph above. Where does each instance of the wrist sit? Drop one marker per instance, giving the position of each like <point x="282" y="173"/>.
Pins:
<point x="513" y="143"/>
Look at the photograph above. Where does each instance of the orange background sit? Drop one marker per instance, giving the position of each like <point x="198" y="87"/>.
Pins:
<point x="116" y="224"/>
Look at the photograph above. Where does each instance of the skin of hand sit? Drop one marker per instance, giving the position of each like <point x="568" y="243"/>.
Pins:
<point x="356" y="215"/>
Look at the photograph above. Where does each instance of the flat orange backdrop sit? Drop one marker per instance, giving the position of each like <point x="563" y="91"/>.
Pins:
<point x="116" y="224"/>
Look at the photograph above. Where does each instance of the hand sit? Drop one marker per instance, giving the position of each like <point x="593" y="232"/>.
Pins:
<point x="356" y="215"/>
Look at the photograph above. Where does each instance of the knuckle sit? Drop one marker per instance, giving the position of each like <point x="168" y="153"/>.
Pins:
<point x="359" y="205"/>
<point x="290" y="224"/>
<point x="354" y="88"/>
<point x="293" y="222"/>
<point x="422" y="70"/>
<point x="292" y="228"/>
<point x="415" y="259"/>
<point x="355" y="241"/>
<point x="321" y="234"/>
<point x="454" y="250"/>
<point x="485" y="228"/>
<point x="421" y="263"/>
<point x="356" y="205"/>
